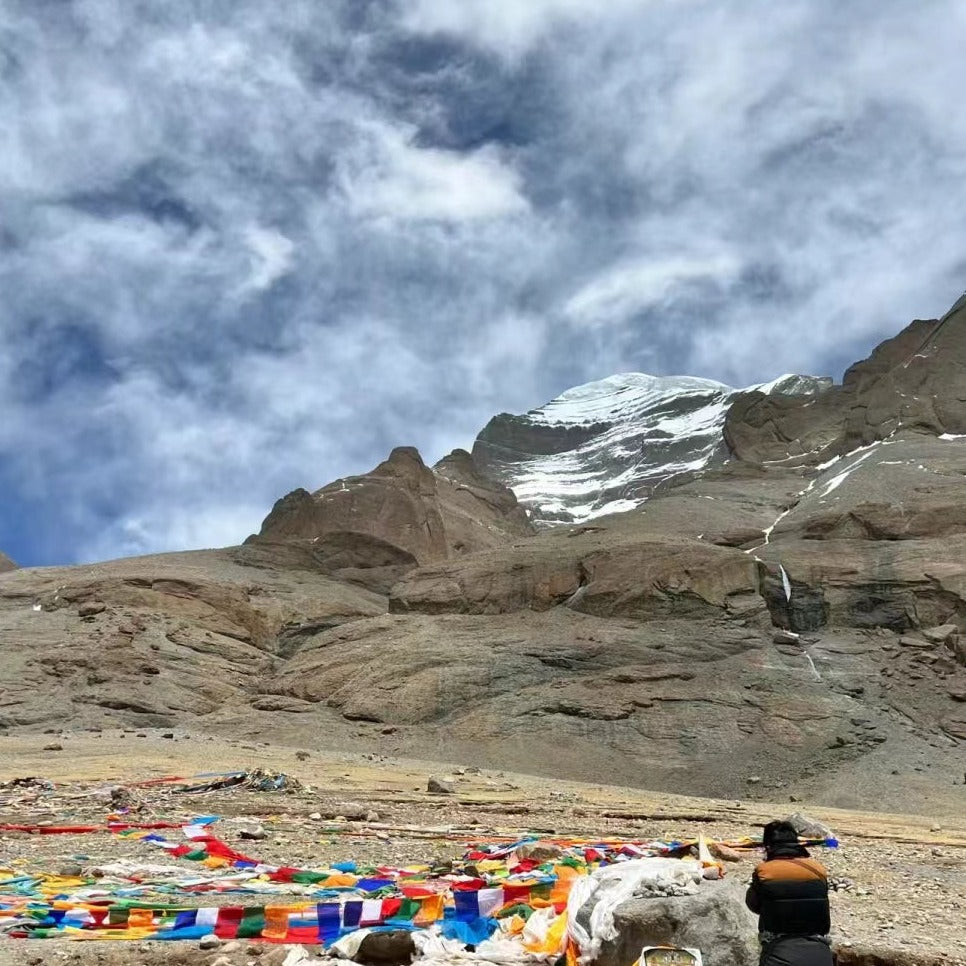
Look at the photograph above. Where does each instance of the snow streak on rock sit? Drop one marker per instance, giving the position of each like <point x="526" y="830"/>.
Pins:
<point x="605" y="446"/>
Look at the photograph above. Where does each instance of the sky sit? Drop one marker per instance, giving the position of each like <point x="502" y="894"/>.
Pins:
<point x="248" y="245"/>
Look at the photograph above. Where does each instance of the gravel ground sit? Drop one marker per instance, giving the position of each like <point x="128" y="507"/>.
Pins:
<point x="902" y="878"/>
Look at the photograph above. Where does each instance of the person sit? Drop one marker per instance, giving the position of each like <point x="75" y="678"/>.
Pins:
<point x="789" y="894"/>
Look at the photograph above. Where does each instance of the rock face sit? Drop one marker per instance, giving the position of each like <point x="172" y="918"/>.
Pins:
<point x="6" y="563"/>
<point x="914" y="382"/>
<point x="606" y="446"/>
<point x="403" y="513"/>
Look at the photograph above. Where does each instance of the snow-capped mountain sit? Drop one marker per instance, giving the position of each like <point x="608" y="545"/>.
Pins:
<point x="603" y="447"/>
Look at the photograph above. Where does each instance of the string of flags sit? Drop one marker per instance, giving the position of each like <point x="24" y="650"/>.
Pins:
<point x="497" y="894"/>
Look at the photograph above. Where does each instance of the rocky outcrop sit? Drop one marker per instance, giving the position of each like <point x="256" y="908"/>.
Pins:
<point x="6" y="563"/>
<point x="399" y="515"/>
<point x="643" y="580"/>
<point x="913" y="382"/>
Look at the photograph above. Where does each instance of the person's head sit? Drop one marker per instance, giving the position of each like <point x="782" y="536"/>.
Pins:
<point x="781" y="839"/>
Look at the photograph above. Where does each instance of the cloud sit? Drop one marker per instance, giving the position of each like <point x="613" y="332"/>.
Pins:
<point x="504" y="25"/>
<point x="619" y="293"/>
<point x="254" y="250"/>
<point x="271" y="255"/>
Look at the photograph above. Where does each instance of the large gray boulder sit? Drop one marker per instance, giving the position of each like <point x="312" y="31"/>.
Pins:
<point x="714" y="920"/>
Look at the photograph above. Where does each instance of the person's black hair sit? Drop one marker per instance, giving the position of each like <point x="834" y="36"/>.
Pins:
<point x="780" y="839"/>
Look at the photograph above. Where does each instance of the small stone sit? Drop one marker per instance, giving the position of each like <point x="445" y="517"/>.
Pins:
<point x="222" y="961"/>
<point x="439" y="786"/>
<point x="753" y="779"/>
<point x="914" y="642"/>
<point x="253" y="834"/>
<point x="71" y="871"/>
<point x="168" y="734"/>
<point x="343" y="811"/>
<point x="724" y="853"/>
<point x="54" y="747"/>
<point x="210" y="942"/>
<point x="91" y="607"/>
<point x="302" y="755"/>
<point x="372" y="816"/>
<point x="540" y="851"/>
<point x="315" y="816"/>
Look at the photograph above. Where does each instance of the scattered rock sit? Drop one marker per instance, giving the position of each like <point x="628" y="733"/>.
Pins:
<point x="91" y="608"/>
<point x="54" y="746"/>
<point x="253" y="834"/>
<point x="210" y="942"/>
<point x="440" y="786"/>
<point x="785" y="637"/>
<point x="302" y="755"/>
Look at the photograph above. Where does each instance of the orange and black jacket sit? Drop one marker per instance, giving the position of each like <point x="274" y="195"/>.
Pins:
<point x="790" y="896"/>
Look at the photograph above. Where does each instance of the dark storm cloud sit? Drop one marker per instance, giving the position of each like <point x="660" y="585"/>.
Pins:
<point x="246" y="246"/>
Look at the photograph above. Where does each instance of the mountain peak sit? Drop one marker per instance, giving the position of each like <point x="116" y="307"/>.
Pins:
<point x="604" y="446"/>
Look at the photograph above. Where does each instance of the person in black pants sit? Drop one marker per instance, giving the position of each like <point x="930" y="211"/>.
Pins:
<point x="789" y="894"/>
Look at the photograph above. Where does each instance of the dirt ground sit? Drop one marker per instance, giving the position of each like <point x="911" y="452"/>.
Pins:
<point x="902" y="878"/>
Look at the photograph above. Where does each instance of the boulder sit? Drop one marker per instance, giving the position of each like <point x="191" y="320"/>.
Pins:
<point x="392" y="948"/>
<point x="808" y="827"/>
<point x="714" y="920"/>
<point x="439" y="786"/>
<point x="942" y="634"/>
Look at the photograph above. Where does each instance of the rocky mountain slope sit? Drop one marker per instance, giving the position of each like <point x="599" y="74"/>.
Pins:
<point x="783" y="623"/>
<point x="604" y="447"/>
<point x="6" y="563"/>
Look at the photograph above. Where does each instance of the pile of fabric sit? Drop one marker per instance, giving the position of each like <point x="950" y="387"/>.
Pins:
<point x="503" y="896"/>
